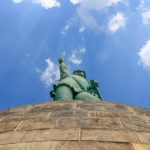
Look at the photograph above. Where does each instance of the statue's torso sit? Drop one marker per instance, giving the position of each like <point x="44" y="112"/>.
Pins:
<point x="76" y="82"/>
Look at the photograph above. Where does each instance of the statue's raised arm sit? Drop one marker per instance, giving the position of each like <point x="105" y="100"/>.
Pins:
<point x="63" y="68"/>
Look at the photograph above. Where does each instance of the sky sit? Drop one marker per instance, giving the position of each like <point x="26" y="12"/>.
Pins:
<point x="109" y="39"/>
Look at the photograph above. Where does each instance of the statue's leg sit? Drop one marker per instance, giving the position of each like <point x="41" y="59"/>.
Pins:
<point x="85" y="96"/>
<point x="63" y="92"/>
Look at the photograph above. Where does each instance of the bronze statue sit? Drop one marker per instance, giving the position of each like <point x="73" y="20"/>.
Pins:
<point x="74" y="86"/>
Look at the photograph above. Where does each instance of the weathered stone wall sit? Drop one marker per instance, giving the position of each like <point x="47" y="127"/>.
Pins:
<point x="75" y="125"/>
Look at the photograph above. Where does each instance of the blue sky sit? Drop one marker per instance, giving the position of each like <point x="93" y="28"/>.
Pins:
<point x="109" y="39"/>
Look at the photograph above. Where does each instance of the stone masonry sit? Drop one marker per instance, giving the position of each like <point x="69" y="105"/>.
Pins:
<point x="75" y="125"/>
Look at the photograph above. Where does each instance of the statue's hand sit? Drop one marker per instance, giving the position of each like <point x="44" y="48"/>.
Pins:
<point x="60" y="60"/>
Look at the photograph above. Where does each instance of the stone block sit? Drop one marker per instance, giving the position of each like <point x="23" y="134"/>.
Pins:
<point x="32" y="146"/>
<point x="1" y="119"/>
<point x="52" y="134"/>
<point x="9" y="126"/>
<point x="17" y="111"/>
<point x="141" y="111"/>
<point x="143" y="137"/>
<point x="136" y="125"/>
<point x="82" y="146"/>
<point x="69" y="114"/>
<point x="102" y="106"/>
<point x="103" y="123"/>
<point x="37" y="108"/>
<point x="62" y="106"/>
<point x="140" y="147"/>
<point x="111" y="114"/>
<point x="95" y="114"/>
<point x="12" y="119"/>
<point x="27" y="116"/>
<point x="92" y="106"/>
<point x="125" y="115"/>
<point x="10" y="137"/>
<point x="108" y="136"/>
<point x="34" y="125"/>
<point x="10" y="112"/>
<point x="40" y="109"/>
<point x="138" y="117"/>
<point x="36" y="116"/>
<point x="118" y="146"/>
<point x="93" y="146"/>
<point x="101" y="114"/>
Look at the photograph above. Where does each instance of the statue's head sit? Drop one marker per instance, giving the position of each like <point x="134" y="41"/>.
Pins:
<point x="80" y="73"/>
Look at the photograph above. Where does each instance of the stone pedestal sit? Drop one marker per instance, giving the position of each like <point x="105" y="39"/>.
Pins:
<point x="75" y="125"/>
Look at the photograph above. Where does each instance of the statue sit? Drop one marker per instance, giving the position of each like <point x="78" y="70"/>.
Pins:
<point x="74" y="86"/>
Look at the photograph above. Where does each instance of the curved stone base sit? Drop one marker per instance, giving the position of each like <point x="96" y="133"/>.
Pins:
<point x="75" y="125"/>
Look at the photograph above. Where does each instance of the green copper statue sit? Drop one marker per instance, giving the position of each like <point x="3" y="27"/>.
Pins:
<point x="74" y="86"/>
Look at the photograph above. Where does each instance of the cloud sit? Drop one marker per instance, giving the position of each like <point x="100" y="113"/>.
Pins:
<point x="146" y="17"/>
<point x="81" y="29"/>
<point x="144" y="5"/>
<point x="66" y="28"/>
<point x="145" y="11"/>
<point x="87" y="19"/>
<point x="75" y="57"/>
<point x="74" y="2"/>
<point x="96" y="4"/>
<point x="17" y="1"/>
<point x="144" y="55"/>
<point x="47" y="3"/>
<point x="73" y="22"/>
<point x="43" y="3"/>
<point x="86" y="8"/>
<point x="116" y="22"/>
<point x="50" y="74"/>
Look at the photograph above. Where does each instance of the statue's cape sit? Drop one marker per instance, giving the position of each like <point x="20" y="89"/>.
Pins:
<point x="77" y="83"/>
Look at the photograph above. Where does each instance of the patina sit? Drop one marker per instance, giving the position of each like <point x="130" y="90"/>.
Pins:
<point x="74" y="86"/>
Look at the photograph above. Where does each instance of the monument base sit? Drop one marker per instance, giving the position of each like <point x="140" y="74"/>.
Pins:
<point x="75" y="125"/>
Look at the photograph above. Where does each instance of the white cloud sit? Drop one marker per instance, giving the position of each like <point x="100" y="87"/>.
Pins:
<point x="50" y="74"/>
<point x="75" y="57"/>
<point x="69" y="23"/>
<point x="87" y="19"/>
<point x="116" y="22"/>
<point x="142" y="3"/>
<point x="43" y="3"/>
<point x="47" y="3"/>
<point x="17" y="1"/>
<point x="81" y="29"/>
<point x="144" y="55"/>
<point x="144" y="8"/>
<point x="86" y="8"/>
<point x="67" y="27"/>
<point x="74" y="2"/>
<point x="146" y="17"/>
<point x="82" y="50"/>
<point x="96" y="4"/>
